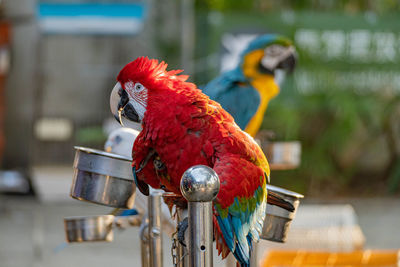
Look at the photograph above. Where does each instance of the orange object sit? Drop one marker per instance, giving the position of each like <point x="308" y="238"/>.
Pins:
<point x="309" y="258"/>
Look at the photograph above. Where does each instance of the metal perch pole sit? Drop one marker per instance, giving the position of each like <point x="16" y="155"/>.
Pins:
<point x="200" y="185"/>
<point x="182" y="251"/>
<point x="155" y="236"/>
<point x="144" y="242"/>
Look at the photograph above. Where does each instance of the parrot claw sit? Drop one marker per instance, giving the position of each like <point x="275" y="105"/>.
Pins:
<point x="146" y="160"/>
<point x="182" y="227"/>
<point x="158" y="164"/>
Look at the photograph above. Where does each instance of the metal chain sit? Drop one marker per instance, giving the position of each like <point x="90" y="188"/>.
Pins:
<point x="174" y="251"/>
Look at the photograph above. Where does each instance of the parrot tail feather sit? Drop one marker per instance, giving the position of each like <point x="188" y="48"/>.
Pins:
<point x="220" y="243"/>
<point x="242" y="251"/>
<point x="241" y="265"/>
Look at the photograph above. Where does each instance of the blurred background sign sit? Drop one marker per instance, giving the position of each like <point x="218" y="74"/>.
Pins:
<point x="343" y="101"/>
<point x="360" y="53"/>
<point x="91" y="18"/>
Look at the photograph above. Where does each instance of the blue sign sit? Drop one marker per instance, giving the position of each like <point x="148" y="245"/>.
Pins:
<point x="97" y="18"/>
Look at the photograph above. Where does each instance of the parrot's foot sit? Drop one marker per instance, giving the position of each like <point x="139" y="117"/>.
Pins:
<point x="158" y="164"/>
<point x="182" y="227"/>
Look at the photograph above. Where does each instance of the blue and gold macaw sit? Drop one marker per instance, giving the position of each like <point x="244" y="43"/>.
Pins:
<point x="246" y="90"/>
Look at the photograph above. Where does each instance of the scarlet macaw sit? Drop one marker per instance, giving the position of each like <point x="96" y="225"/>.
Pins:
<point x="182" y="127"/>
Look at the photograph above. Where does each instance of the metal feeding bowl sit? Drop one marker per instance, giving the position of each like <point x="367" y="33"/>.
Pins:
<point x="277" y="220"/>
<point x="103" y="178"/>
<point x="97" y="228"/>
<point x="89" y="228"/>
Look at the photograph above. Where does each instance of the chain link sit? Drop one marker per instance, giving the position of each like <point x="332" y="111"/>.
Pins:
<point x="176" y="248"/>
<point x="174" y="252"/>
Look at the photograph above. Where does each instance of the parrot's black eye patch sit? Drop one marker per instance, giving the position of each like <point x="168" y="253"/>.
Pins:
<point x="289" y="63"/>
<point x="120" y="91"/>
<point x="124" y="99"/>
<point x="130" y="113"/>
<point x="264" y="70"/>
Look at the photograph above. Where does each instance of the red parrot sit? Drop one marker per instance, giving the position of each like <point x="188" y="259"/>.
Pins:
<point x="182" y="127"/>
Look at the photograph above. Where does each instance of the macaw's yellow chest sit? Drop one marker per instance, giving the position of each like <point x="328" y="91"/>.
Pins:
<point x="264" y="84"/>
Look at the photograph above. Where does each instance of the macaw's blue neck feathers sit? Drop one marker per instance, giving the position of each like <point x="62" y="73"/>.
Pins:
<point x="217" y="87"/>
<point x="235" y="75"/>
<point x="263" y="41"/>
<point x="259" y="43"/>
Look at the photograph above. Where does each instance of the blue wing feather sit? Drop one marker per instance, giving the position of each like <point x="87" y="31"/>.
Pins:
<point x="235" y="95"/>
<point x="242" y="250"/>
<point x="241" y="228"/>
<point x="227" y="231"/>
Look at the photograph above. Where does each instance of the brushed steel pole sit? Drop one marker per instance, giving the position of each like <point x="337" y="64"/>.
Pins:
<point x="200" y="185"/>
<point x="182" y="251"/>
<point x="144" y="242"/>
<point x="155" y="235"/>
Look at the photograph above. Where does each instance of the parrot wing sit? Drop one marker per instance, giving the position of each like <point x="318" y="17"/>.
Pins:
<point x="235" y="95"/>
<point x="240" y="205"/>
<point x="143" y="169"/>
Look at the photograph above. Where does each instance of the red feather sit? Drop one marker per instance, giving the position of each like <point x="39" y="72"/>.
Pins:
<point x="186" y="128"/>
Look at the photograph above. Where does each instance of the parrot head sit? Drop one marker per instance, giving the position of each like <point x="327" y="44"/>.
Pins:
<point x="267" y="55"/>
<point x="139" y="81"/>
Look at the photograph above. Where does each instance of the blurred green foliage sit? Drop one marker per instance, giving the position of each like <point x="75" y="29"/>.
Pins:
<point x="91" y="136"/>
<point x="342" y="134"/>
<point x="381" y="6"/>
<point x="349" y="121"/>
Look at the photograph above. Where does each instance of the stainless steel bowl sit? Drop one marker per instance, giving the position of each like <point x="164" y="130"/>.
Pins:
<point x="277" y="221"/>
<point x="89" y="228"/>
<point x="103" y="178"/>
<point x="97" y="228"/>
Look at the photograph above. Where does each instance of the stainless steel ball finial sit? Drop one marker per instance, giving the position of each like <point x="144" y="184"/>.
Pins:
<point x="200" y="184"/>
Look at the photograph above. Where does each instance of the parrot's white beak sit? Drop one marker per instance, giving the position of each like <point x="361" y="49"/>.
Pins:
<point x="114" y="100"/>
<point x="117" y="109"/>
<point x="279" y="57"/>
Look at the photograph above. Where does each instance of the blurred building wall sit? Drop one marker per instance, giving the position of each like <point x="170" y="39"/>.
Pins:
<point x="64" y="78"/>
<point x="20" y="83"/>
